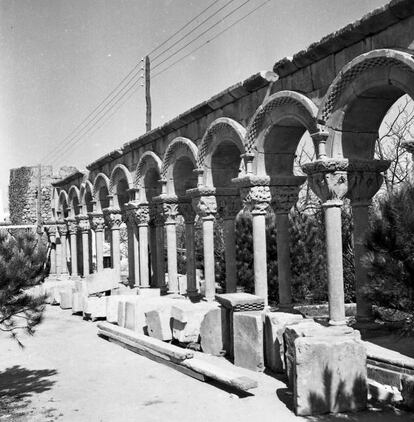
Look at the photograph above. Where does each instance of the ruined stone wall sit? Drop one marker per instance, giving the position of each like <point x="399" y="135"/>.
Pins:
<point x="23" y="192"/>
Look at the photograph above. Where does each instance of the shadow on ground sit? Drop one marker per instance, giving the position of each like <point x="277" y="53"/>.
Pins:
<point x="22" y="383"/>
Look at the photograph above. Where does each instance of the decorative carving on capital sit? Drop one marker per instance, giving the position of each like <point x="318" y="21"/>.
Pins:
<point x="283" y="198"/>
<point x="72" y="225"/>
<point x="205" y="206"/>
<point x="62" y="228"/>
<point x="51" y="228"/>
<point x="229" y="206"/>
<point x="113" y="218"/>
<point x="170" y="211"/>
<point x="142" y="215"/>
<point x="256" y="198"/>
<point x="83" y="223"/>
<point x="97" y="221"/>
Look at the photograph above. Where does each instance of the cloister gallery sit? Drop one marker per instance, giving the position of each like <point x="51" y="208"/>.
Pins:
<point x="236" y="150"/>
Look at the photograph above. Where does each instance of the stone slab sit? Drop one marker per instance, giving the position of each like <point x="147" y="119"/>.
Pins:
<point x="240" y="302"/>
<point x="104" y="280"/>
<point x="187" y="318"/>
<point x="94" y="307"/>
<point x="274" y="345"/>
<point x="182" y="284"/>
<point x="150" y="292"/>
<point x="159" y="323"/>
<point x="214" y="332"/>
<point x="248" y="340"/>
<point x="65" y="298"/>
<point x="77" y="302"/>
<point x="329" y="375"/>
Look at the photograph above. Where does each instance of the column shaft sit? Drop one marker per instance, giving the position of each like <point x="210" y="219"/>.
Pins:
<point x="58" y="256"/>
<point x="131" y="253"/>
<point x="283" y="261"/>
<point x="208" y="248"/>
<point x="159" y="231"/>
<point x="143" y="255"/>
<point x="230" y="254"/>
<point x="52" y="240"/>
<point x="99" y="236"/>
<point x="364" y="307"/>
<point x="64" y="254"/>
<point x="135" y="254"/>
<point x="192" y="289"/>
<point x="334" y="264"/>
<point x="172" y="257"/>
<point x="115" y="250"/>
<point x="259" y="255"/>
<point x="73" y="255"/>
<point x="85" y="253"/>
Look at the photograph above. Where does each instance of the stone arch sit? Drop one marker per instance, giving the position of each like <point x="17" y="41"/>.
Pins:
<point x="180" y="159"/>
<point x="276" y="129"/>
<point x="220" y="151"/>
<point x="74" y="200"/>
<point x="147" y="176"/>
<point x="119" y="184"/>
<point x="86" y="196"/>
<point x="101" y="191"/>
<point x="62" y="204"/>
<point x="360" y="96"/>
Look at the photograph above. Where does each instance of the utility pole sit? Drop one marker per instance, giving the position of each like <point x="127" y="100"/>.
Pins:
<point x="147" y="70"/>
<point x="39" y="202"/>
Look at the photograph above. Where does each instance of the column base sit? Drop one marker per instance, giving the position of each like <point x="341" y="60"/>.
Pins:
<point x="194" y="295"/>
<point x="337" y="323"/>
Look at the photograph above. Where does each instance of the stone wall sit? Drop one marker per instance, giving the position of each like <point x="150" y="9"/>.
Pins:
<point x="23" y="192"/>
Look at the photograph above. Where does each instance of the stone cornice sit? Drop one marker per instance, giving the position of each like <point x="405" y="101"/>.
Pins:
<point x="68" y="180"/>
<point x="372" y="23"/>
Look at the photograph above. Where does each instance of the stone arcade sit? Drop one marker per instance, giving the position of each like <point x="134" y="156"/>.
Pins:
<point x="237" y="150"/>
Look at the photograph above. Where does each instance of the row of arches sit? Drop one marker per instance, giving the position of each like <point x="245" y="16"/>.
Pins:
<point x="253" y="164"/>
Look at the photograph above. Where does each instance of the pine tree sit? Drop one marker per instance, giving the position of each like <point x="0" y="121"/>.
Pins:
<point x="22" y="265"/>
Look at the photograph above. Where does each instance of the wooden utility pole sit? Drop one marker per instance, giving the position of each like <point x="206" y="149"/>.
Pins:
<point x="39" y="202"/>
<point x="148" y="91"/>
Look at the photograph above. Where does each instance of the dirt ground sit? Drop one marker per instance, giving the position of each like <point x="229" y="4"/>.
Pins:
<point x="67" y="373"/>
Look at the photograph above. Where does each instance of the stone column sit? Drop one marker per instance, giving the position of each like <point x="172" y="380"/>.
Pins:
<point x="142" y="216"/>
<point x="169" y="209"/>
<point x="257" y="200"/>
<point x="133" y="247"/>
<point x="283" y="198"/>
<point x="63" y="231"/>
<point x="229" y="208"/>
<point x="158" y="221"/>
<point x="72" y="230"/>
<point x="51" y="232"/>
<point x="187" y="211"/>
<point x="97" y="222"/>
<point x="364" y="182"/>
<point x="206" y="208"/>
<point x="84" y="227"/>
<point x="113" y="220"/>
<point x="329" y="180"/>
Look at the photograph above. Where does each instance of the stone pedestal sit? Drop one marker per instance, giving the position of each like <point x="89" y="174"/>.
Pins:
<point x="248" y="340"/>
<point x="214" y="332"/>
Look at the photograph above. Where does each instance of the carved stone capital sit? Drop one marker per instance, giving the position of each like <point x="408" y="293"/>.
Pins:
<point x="113" y="218"/>
<point x="97" y="221"/>
<point x="62" y="228"/>
<point x="229" y="206"/>
<point x="283" y="198"/>
<point x="51" y="228"/>
<point x="256" y="198"/>
<point x="333" y="179"/>
<point x="364" y="183"/>
<point x="205" y="206"/>
<point x="72" y="225"/>
<point x="142" y="215"/>
<point x="83" y="223"/>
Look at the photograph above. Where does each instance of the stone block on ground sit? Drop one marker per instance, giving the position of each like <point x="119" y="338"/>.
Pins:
<point x="122" y="308"/>
<point x="329" y="374"/>
<point x="94" y="307"/>
<point x="77" y="302"/>
<point x="407" y="391"/>
<point x="121" y="289"/>
<point x="112" y="304"/>
<point x="65" y="298"/>
<point x="149" y="292"/>
<point x="159" y="323"/>
<point x="274" y="345"/>
<point x="214" y="332"/>
<point x="187" y="318"/>
<point x="101" y="281"/>
<point x="248" y="340"/>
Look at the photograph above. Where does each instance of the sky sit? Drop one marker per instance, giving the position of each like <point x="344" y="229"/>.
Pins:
<point x="61" y="58"/>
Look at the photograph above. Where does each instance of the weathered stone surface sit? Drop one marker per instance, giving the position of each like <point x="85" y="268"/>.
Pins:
<point x="124" y="290"/>
<point x="94" y="307"/>
<point x="329" y="374"/>
<point x="159" y="323"/>
<point x="275" y="325"/>
<point x="187" y="318"/>
<point x="151" y="292"/>
<point x="241" y="301"/>
<point x="77" y="302"/>
<point x="182" y="284"/>
<point x="248" y="340"/>
<point x="214" y="332"/>
<point x="407" y="391"/>
<point x="65" y="298"/>
<point x="104" y="280"/>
